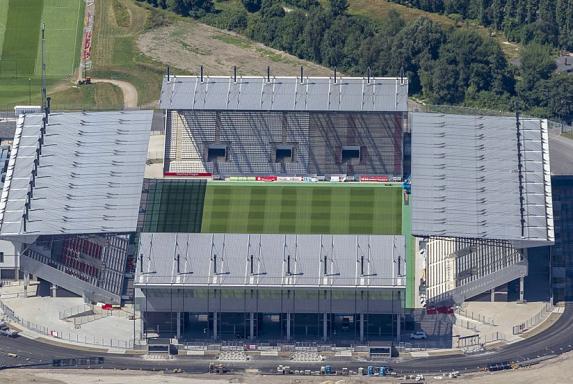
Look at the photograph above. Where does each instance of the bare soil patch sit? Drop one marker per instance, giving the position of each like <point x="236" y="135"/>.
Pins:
<point x="187" y="45"/>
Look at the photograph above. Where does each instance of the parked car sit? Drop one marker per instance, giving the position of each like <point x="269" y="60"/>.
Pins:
<point x="418" y="335"/>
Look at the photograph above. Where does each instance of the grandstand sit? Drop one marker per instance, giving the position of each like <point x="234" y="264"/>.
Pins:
<point x="70" y="200"/>
<point x="481" y="197"/>
<point x="357" y="133"/>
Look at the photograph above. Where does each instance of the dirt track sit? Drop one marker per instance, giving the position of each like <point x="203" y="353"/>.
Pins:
<point x="129" y="92"/>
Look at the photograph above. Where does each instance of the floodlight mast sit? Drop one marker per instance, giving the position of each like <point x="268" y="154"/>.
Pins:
<point x="44" y="93"/>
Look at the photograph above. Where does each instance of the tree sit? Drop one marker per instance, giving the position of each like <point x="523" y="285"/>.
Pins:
<point x="414" y="47"/>
<point x="251" y="5"/>
<point x="338" y="7"/>
<point x="536" y="64"/>
<point x="560" y="101"/>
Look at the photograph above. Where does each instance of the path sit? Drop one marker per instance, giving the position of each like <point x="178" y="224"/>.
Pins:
<point x="129" y="91"/>
<point x="130" y="96"/>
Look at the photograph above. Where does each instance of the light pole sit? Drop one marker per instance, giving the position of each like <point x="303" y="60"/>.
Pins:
<point x="29" y="91"/>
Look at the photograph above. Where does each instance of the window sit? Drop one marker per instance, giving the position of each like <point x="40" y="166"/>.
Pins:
<point x="284" y="153"/>
<point x="350" y="153"/>
<point x="1" y="257"/>
<point x="216" y="152"/>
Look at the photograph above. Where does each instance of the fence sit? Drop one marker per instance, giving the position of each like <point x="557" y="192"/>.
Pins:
<point x="533" y="320"/>
<point x="460" y="110"/>
<point x="467" y="324"/>
<point x="475" y="316"/>
<point x="66" y="335"/>
<point x="74" y="311"/>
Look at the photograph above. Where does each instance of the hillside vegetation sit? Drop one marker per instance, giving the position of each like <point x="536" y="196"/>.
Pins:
<point x="526" y="21"/>
<point x="444" y="64"/>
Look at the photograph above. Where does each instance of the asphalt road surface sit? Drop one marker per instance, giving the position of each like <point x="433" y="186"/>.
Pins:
<point x="553" y="341"/>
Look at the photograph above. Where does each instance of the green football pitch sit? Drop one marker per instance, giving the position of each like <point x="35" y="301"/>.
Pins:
<point x="20" y="58"/>
<point x="233" y="207"/>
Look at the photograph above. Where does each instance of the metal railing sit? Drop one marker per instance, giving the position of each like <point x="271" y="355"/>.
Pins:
<point x="467" y="324"/>
<point x="75" y="311"/>
<point x="66" y="335"/>
<point x="475" y="316"/>
<point x="533" y="320"/>
<point x="460" y="110"/>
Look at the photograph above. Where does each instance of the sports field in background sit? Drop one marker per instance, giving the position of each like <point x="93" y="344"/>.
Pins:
<point x="233" y="207"/>
<point x="20" y="58"/>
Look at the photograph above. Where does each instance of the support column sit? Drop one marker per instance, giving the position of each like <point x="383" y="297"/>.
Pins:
<point x="54" y="290"/>
<point x="522" y="288"/>
<point x="178" y="326"/>
<point x="288" y="326"/>
<point x="398" y="327"/>
<point x="251" y="325"/>
<point x="361" y="327"/>
<point x="26" y="283"/>
<point x="492" y="295"/>
<point x="215" y="333"/>
<point x="324" y="326"/>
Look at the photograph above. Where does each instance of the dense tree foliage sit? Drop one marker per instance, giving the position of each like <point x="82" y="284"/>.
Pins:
<point x="443" y="65"/>
<point x="194" y="8"/>
<point x="541" y="89"/>
<point x="525" y="21"/>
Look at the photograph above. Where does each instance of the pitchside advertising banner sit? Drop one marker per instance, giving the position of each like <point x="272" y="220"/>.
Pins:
<point x="294" y="179"/>
<point x="380" y="179"/>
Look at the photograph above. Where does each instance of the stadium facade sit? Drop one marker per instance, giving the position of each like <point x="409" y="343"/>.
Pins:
<point x="277" y="208"/>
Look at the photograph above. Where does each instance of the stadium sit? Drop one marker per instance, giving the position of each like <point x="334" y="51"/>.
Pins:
<point x="277" y="209"/>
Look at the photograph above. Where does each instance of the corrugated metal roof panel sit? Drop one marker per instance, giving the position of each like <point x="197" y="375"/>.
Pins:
<point x="251" y="93"/>
<point x="465" y="177"/>
<point x="89" y="176"/>
<point x="369" y="261"/>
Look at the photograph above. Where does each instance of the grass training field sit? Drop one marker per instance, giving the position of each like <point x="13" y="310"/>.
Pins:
<point x="20" y="48"/>
<point x="302" y="208"/>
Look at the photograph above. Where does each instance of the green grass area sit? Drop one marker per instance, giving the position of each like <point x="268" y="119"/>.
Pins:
<point x="118" y="25"/>
<point x="3" y="21"/>
<point x="20" y="58"/>
<point x="100" y="96"/>
<point x="237" y="41"/>
<point x="64" y="29"/>
<point x="174" y="206"/>
<point x="20" y="91"/>
<point x="302" y="208"/>
<point x="121" y="14"/>
<point x="410" y="251"/>
<point x="21" y="37"/>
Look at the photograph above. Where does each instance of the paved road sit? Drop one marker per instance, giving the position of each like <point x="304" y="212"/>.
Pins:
<point x="561" y="153"/>
<point x="555" y="340"/>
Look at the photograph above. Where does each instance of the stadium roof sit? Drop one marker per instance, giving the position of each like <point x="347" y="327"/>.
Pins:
<point x="466" y="178"/>
<point x="88" y="176"/>
<point x="256" y="93"/>
<point x="225" y="260"/>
